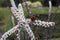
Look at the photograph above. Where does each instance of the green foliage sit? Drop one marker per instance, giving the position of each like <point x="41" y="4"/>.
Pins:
<point x="56" y="39"/>
<point x="1" y="1"/>
<point x="5" y="15"/>
<point x="4" y="3"/>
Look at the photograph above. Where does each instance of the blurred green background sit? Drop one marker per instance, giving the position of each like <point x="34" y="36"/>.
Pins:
<point x="5" y="17"/>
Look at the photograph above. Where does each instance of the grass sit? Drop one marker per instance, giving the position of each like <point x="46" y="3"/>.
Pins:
<point x="5" y="15"/>
<point x="45" y="10"/>
<point x="56" y="39"/>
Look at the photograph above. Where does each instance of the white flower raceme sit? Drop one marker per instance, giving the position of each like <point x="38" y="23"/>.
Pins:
<point x="36" y="4"/>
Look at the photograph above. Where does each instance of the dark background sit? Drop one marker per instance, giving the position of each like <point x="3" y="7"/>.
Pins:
<point x="5" y="3"/>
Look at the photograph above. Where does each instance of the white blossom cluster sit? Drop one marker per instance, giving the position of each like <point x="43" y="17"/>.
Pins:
<point x="11" y="31"/>
<point x="19" y="15"/>
<point x="43" y="23"/>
